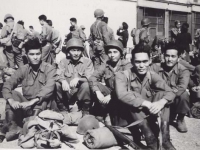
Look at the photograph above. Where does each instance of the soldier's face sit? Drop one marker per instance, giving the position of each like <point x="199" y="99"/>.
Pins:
<point x="34" y="56"/>
<point x="141" y="62"/>
<point x="75" y="53"/>
<point x="114" y="55"/>
<point x="72" y="23"/>
<point x="42" y="22"/>
<point x="171" y="57"/>
<point x="178" y="25"/>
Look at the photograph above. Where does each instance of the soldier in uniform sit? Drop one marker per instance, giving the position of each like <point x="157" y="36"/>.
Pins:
<point x="38" y="83"/>
<point x="105" y="94"/>
<point x="176" y="30"/>
<point x="143" y="93"/>
<point x="46" y="36"/>
<point x="6" y="40"/>
<point x="98" y="38"/>
<point x="74" y="72"/>
<point x="177" y="77"/>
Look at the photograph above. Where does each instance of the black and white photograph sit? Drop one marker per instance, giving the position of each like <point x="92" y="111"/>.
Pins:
<point x="100" y="74"/>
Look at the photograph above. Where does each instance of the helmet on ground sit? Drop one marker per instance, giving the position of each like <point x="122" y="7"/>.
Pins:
<point x="114" y="44"/>
<point x="98" y="13"/>
<point x="74" y="43"/>
<point x="145" y="22"/>
<point x="88" y="122"/>
<point x="8" y="16"/>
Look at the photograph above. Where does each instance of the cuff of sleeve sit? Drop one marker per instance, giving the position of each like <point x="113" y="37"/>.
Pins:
<point x="138" y="102"/>
<point x="8" y="96"/>
<point x="95" y="88"/>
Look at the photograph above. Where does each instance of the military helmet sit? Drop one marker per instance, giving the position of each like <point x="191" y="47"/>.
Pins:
<point x="88" y="122"/>
<point x="8" y="16"/>
<point x="145" y="22"/>
<point x="98" y="13"/>
<point x="74" y="43"/>
<point x="114" y="44"/>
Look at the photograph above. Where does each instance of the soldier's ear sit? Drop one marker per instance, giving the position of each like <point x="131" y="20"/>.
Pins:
<point x="150" y="61"/>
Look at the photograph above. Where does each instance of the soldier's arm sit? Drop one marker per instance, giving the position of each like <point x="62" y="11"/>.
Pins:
<point x="105" y="35"/>
<point x="130" y="98"/>
<point x="61" y="71"/>
<point x="88" y="71"/>
<point x="47" y="90"/>
<point x="12" y="83"/>
<point x="158" y="84"/>
<point x="96" y="77"/>
<point x="183" y="81"/>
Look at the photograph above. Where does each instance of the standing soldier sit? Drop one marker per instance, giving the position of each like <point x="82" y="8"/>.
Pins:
<point x="176" y="30"/>
<point x="74" y="71"/>
<point x="110" y="30"/>
<point x="142" y="35"/>
<point x="98" y="38"/>
<point x="123" y="33"/>
<point x="56" y="41"/>
<point x="85" y="53"/>
<point x="34" y="34"/>
<point x="76" y="32"/>
<point x="46" y="37"/>
<point x="6" y="39"/>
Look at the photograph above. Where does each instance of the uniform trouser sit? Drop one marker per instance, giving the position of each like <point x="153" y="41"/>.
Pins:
<point x="20" y="114"/>
<point x="10" y="56"/>
<point x="99" y="58"/>
<point x="81" y="95"/>
<point x="18" y="56"/>
<point x="181" y="104"/>
<point x="46" y="53"/>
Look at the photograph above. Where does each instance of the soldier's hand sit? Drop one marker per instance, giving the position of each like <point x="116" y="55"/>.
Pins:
<point x="106" y="99"/>
<point x="74" y="82"/>
<point x="14" y="104"/>
<point x="65" y="86"/>
<point x="24" y="105"/>
<point x="156" y="107"/>
<point x="147" y="104"/>
<point x="100" y="96"/>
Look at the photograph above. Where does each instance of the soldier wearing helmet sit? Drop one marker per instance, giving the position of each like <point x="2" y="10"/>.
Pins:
<point x="6" y="39"/>
<point x="98" y="38"/>
<point x="74" y="72"/>
<point x="105" y="93"/>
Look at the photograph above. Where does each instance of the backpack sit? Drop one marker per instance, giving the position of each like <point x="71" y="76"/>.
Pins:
<point x="135" y="33"/>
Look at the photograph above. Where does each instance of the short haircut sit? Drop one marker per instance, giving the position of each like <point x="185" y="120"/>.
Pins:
<point x="172" y="45"/>
<point x="32" y="44"/>
<point x="125" y="25"/>
<point x="31" y="27"/>
<point x="50" y="23"/>
<point x="42" y="17"/>
<point x="141" y="48"/>
<point x="21" y="22"/>
<point x="73" y="20"/>
<point x="105" y="19"/>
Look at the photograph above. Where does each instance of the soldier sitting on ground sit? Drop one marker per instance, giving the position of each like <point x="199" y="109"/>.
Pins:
<point x="74" y="72"/>
<point x="38" y="82"/>
<point x="104" y="94"/>
<point x="145" y="93"/>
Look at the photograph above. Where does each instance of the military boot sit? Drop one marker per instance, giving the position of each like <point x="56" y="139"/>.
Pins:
<point x="3" y="131"/>
<point x="13" y="128"/>
<point x="86" y="107"/>
<point x="181" y="125"/>
<point x="166" y="143"/>
<point x="151" y="140"/>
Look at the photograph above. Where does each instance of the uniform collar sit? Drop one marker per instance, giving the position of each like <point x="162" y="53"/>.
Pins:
<point x="41" y="68"/>
<point x="174" y="69"/>
<point x="119" y="63"/>
<point x="134" y="76"/>
<point x="79" y="61"/>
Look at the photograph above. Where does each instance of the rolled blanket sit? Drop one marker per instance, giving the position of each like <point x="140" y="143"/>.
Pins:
<point x="195" y="110"/>
<point x="99" y="138"/>
<point x="103" y="137"/>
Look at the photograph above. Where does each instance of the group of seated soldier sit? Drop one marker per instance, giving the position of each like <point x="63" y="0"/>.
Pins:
<point x="118" y="89"/>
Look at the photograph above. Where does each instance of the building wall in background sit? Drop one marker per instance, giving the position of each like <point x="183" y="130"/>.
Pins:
<point x="60" y="11"/>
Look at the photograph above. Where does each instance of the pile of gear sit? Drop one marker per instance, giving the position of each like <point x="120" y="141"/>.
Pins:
<point x="46" y="130"/>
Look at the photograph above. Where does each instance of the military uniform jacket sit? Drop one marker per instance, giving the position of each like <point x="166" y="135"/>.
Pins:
<point x="178" y="79"/>
<point x="131" y="91"/>
<point x="107" y="72"/>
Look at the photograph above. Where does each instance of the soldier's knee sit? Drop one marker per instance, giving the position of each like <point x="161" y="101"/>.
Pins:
<point x="184" y="96"/>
